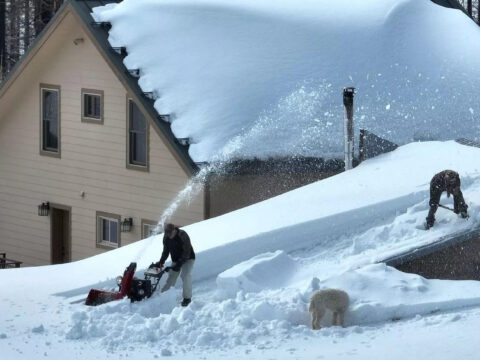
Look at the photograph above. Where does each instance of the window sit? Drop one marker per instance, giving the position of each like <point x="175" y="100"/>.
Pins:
<point x="50" y="120"/>
<point x="148" y="228"/>
<point x="108" y="230"/>
<point x="137" y="137"/>
<point x="92" y="106"/>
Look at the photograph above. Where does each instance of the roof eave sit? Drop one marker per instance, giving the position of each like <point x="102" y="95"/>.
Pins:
<point x="100" y="39"/>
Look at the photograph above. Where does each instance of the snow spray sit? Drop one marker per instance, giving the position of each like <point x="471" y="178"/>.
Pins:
<point x="302" y="105"/>
<point x="299" y="110"/>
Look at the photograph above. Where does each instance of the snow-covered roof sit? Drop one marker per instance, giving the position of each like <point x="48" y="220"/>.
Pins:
<point x="263" y="78"/>
<point x="256" y="268"/>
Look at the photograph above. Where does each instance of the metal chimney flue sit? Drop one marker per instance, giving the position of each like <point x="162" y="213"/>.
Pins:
<point x="348" y="94"/>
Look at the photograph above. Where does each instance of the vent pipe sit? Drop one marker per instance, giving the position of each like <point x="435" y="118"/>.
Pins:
<point x="348" y="94"/>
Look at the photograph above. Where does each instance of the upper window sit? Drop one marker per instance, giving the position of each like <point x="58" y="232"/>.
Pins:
<point x="137" y="136"/>
<point x="108" y="230"/>
<point x="92" y="106"/>
<point x="50" y="120"/>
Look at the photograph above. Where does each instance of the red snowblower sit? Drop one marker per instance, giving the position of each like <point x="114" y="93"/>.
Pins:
<point x="135" y="289"/>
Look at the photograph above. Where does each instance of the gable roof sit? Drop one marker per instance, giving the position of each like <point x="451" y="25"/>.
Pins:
<point x="114" y="57"/>
<point x="314" y="147"/>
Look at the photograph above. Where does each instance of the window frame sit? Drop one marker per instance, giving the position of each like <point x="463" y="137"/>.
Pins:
<point x="129" y="164"/>
<point x="89" y="119"/>
<point x="100" y="243"/>
<point x="149" y="223"/>
<point x="46" y="151"/>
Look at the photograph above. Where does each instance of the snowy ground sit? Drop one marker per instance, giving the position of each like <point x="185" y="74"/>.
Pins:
<point x="255" y="270"/>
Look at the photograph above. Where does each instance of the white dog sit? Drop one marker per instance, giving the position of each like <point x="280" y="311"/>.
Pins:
<point x="334" y="300"/>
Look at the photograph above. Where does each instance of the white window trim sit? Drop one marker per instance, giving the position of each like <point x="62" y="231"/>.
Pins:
<point x="149" y="224"/>
<point x="89" y="119"/>
<point x="50" y="152"/>
<point x="129" y="164"/>
<point x="99" y="220"/>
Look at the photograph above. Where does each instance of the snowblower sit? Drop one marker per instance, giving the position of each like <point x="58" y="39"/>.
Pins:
<point x="135" y="289"/>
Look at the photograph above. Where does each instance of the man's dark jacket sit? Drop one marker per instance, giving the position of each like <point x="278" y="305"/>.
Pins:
<point x="179" y="248"/>
<point x="449" y="181"/>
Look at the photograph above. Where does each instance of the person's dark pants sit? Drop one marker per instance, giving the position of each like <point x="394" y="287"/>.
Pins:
<point x="435" y="194"/>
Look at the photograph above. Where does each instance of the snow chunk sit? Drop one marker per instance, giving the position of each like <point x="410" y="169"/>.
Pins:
<point x="265" y="271"/>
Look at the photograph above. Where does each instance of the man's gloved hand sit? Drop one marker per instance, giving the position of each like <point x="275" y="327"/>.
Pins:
<point x="464" y="215"/>
<point x="159" y="265"/>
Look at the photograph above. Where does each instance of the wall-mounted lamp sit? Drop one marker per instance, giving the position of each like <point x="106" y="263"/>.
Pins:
<point x="126" y="225"/>
<point x="44" y="209"/>
<point x="78" y="41"/>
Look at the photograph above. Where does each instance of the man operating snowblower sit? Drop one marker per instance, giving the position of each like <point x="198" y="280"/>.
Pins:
<point x="449" y="181"/>
<point x="176" y="243"/>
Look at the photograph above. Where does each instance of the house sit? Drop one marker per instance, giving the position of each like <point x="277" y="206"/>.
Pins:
<point x="78" y="136"/>
<point x="86" y="152"/>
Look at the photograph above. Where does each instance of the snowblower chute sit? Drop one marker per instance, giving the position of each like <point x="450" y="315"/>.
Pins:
<point x="135" y="289"/>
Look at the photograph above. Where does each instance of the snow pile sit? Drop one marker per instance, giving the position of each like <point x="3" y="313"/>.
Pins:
<point x="253" y="278"/>
<point x="242" y="76"/>
<point x="269" y="270"/>
<point x="380" y="293"/>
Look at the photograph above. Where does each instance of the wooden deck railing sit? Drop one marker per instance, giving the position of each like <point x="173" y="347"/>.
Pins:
<point x="6" y="263"/>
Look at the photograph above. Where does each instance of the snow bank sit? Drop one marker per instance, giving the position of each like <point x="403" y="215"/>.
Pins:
<point x="380" y="293"/>
<point x="242" y="76"/>
<point x="265" y="271"/>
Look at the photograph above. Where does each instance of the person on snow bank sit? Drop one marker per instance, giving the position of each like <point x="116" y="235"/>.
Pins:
<point x="449" y="181"/>
<point x="176" y="243"/>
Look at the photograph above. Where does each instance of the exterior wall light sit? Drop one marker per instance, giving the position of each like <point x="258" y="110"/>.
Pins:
<point x="126" y="225"/>
<point x="44" y="209"/>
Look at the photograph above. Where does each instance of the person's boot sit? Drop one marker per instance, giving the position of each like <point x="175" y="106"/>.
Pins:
<point x="185" y="302"/>
<point x="429" y="222"/>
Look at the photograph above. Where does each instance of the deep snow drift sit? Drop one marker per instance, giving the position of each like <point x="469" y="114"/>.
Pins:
<point x="242" y="76"/>
<point x="255" y="270"/>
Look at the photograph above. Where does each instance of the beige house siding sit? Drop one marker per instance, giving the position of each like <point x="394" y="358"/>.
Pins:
<point x="230" y="193"/>
<point x="93" y="156"/>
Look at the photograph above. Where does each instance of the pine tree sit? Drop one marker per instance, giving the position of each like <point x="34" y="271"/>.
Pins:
<point x="2" y="39"/>
<point x="26" y="25"/>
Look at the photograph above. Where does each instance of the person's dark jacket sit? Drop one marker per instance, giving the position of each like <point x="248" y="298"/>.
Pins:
<point x="449" y="181"/>
<point x="179" y="248"/>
